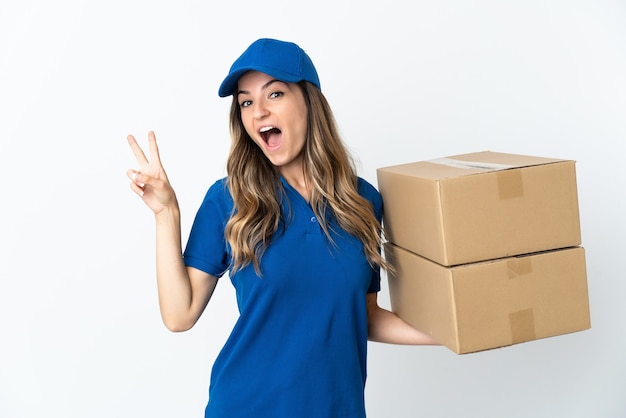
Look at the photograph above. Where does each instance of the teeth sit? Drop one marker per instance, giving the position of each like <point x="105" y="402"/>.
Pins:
<point x="266" y="129"/>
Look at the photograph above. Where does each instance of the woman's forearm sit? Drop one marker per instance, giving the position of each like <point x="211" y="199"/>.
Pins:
<point x="174" y="285"/>
<point x="387" y="327"/>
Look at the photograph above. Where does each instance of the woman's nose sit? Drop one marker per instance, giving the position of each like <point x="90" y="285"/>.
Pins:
<point x="260" y="110"/>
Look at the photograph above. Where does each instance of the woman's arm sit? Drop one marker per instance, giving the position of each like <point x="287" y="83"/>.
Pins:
<point x="183" y="292"/>
<point x="386" y="327"/>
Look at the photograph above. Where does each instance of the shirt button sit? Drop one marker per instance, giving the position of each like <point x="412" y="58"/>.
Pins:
<point x="313" y="219"/>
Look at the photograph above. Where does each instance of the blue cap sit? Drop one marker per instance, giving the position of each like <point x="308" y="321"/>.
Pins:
<point x="285" y="61"/>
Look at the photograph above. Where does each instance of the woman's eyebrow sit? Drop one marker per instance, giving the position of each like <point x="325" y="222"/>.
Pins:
<point x="263" y="87"/>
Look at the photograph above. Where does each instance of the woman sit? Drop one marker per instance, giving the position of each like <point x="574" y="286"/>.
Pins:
<point x="299" y="234"/>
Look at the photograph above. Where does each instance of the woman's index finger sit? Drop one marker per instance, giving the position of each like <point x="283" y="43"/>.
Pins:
<point x="154" y="148"/>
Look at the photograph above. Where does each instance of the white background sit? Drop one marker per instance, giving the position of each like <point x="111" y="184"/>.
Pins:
<point x="80" y="329"/>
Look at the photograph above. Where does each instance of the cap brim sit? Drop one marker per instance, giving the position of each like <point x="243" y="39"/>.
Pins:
<point x="229" y="85"/>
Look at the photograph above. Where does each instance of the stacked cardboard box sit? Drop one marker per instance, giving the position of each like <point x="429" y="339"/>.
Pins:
<point x="486" y="248"/>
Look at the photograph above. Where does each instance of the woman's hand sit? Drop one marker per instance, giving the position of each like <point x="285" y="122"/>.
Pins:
<point x="150" y="181"/>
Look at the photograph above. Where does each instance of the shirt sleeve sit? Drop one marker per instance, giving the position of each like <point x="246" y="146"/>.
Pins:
<point x="207" y="248"/>
<point x="370" y="193"/>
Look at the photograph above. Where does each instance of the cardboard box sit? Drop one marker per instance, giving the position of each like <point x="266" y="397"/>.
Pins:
<point x="480" y="206"/>
<point x="484" y="305"/>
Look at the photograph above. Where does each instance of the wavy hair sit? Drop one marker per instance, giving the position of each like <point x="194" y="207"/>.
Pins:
<point x="329" y="171"/>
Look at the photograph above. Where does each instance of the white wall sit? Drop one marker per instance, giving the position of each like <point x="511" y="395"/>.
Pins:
<point x="80" y="330"/>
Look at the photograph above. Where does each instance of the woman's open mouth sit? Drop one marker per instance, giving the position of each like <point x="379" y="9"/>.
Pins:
<point x="271" y="136"/>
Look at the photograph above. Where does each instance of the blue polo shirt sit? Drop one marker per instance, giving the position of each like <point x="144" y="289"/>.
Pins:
<point x="299" y="346"/>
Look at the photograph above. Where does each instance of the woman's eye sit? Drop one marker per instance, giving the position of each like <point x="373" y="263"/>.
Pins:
<point x="276" y="94"/>
<point x="245" y="103"/>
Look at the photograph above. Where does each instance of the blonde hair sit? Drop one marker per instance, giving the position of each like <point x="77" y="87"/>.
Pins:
<point x="328" y="170"/>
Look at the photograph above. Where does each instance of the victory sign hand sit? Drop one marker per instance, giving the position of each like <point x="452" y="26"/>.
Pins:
<point x="150" y="181"/>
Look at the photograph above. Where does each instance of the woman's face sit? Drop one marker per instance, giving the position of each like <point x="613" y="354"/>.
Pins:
<point x="274" y="114"/>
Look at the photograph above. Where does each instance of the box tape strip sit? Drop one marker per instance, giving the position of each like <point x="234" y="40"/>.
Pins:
<point x="522" y="326"/>
<point x="470" y="164"/>
<point x="519" y="266"/>
<point x="510" y="184"/>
